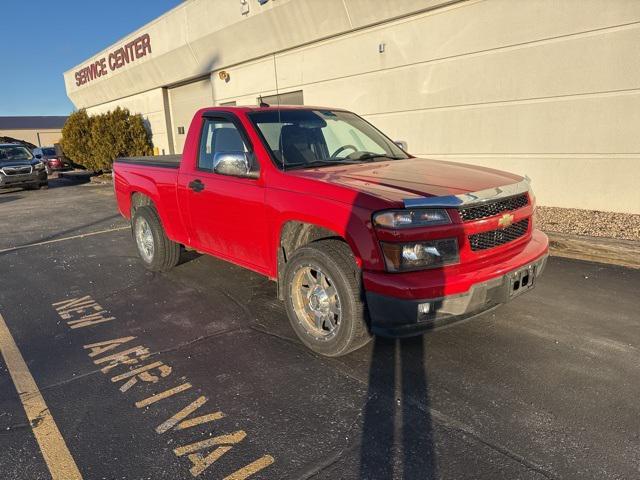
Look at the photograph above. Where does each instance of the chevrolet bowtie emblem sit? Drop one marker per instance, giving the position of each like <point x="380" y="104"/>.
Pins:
<point x="505" y="220"/>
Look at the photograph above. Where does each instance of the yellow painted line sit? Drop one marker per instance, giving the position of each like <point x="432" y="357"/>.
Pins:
<point x="254" y="467"/>
<point x="54" y="450"/>
<point x="39" y="244"/>
<point x="161" y="396"/>
<point x="212" y="417"/>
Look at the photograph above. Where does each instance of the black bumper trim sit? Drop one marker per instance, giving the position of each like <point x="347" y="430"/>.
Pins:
<point x="396" y="317"/>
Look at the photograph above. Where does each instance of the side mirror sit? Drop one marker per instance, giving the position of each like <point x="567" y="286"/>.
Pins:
<point x="38" y="156"/>
<point x="402" y="144"/>
<point x="235" y="164"/>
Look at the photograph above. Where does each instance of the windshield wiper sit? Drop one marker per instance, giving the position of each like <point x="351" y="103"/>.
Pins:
<point x="373" y="156"/>
<point x="319" y="163"/>
<point x="368" y="157"/>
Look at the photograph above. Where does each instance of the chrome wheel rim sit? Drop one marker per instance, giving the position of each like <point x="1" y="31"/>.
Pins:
<point x="316" y="302"/>
<point x="144" y="240"/>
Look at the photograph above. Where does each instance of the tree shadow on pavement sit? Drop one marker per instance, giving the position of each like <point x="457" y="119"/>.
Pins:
<point x="69" y="180"/>
<point x="397" y="436"/>
<point x="9" y="198"/>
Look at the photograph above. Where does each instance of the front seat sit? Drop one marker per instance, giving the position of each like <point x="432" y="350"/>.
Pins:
<point x="295" y="144"/>
<point x="227" y="139"/>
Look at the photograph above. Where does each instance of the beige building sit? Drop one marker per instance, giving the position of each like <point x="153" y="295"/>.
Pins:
<point x="547" y="88"/>
<point x="40" y="131"/>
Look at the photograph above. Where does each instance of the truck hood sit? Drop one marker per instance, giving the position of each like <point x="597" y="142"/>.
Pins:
<point x="397" y="180"/>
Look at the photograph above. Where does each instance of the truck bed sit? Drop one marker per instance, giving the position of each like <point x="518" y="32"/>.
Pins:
<point x="162" y="161"/>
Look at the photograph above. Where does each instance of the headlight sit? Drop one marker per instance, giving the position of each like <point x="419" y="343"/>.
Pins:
<point x="411" y="218"/>
<point x="401" y="257"/>
<point x="39" y="166"/>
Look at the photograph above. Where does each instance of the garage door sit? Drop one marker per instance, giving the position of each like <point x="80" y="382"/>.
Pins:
<point x="184" y="101"/>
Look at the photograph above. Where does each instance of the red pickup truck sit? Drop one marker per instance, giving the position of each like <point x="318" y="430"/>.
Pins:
<point x="361" y="237"/>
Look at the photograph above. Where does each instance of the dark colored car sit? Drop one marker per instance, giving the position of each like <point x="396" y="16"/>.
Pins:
<point x="19" y="168"/>
<point x="52" y="161"/>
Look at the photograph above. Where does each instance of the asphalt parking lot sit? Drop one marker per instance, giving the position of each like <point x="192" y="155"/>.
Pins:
<point x="213" y="384"/>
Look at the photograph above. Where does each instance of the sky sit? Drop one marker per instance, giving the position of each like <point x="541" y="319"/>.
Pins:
<point x="41" y="39"/>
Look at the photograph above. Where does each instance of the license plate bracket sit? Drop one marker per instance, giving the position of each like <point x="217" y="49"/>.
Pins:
<point x="521" y="280"/>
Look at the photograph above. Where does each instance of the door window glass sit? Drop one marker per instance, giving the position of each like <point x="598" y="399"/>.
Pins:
<point x="218" y="136"/>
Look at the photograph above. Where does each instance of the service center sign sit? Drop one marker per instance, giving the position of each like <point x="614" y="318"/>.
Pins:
<point x="124" y="55"/>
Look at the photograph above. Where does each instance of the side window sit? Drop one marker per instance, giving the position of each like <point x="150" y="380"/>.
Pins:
<point x="218" y="136"/>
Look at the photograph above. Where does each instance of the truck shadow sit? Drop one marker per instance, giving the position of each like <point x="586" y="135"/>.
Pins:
<point x="187" y="256"/>
<point x="397" y="437"/>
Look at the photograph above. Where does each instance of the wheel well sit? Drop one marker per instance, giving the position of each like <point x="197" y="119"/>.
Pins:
<point x="295" y="235"/>
<point x="139" y="200"/>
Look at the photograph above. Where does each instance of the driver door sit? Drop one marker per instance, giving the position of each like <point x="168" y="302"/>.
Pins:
<point x="227" y="213"/>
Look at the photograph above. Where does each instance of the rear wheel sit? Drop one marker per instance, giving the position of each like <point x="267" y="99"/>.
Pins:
<point x="157" y="252"/>
<point x="323" y="296"/>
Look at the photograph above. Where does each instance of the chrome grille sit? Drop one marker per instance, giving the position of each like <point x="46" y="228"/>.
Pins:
<point x="494" y="238"/>
<point x="17" y="170"/>
<point x="494" y="208"/>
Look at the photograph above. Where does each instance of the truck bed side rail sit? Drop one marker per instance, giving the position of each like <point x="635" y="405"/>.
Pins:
<point x="162" y="161"/>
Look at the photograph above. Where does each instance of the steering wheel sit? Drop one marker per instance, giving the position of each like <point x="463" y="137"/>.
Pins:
<point x="342" y="148"/>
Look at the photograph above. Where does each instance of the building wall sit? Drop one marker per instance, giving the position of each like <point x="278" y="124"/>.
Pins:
<point x="199" y="36"/>
<point x="41" y="137"/>
<point x="546" y="88"/>
<point x="540" y="88"/>
<point x="183" y="103"/>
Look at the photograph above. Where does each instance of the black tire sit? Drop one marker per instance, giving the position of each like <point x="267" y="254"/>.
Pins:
<point x="44" y="185"/>
<point x="335" y="259"/>
<point x="166" y="253"/>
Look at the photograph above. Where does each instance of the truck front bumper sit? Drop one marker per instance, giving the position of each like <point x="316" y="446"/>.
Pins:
<point x="409" y="314"/>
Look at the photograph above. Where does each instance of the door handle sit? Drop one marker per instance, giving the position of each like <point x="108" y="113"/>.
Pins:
<point x="196" y="185"/>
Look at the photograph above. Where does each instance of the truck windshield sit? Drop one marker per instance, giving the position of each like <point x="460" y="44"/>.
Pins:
<point x="14" y="153"/>
<point x="315" y="138"/>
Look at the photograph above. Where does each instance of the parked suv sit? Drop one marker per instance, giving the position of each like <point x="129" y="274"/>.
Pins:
<point x="52" y="161"/>
<point x="19" y="168"/>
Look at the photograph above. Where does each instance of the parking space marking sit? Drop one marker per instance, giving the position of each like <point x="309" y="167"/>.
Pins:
<point x="162" y="395"/>
<point x="254" y="467"/>
<point x="131" y="368"/>
<point x="56" y="455"/>
<point x="56" y="240"/>
<point x="92" y="313"/>
<point x="179" y="418"/>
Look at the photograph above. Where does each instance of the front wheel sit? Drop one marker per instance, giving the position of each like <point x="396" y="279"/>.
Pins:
<point x="157" y="252"/>
<point x="323" y="296"/>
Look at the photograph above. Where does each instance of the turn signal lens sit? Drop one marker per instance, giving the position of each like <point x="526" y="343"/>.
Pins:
<point x="401" y="257"/>
<point x="411" y="218"/>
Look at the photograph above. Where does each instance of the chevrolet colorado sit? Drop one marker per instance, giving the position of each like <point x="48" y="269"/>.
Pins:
<point x="361" y="237"/>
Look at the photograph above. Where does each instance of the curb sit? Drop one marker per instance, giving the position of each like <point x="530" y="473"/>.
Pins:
<point x="75" y="175"/>
<point x="625" y="253"/>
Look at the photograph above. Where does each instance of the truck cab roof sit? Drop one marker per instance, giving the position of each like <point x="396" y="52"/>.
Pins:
<point x="257" y="108"/>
